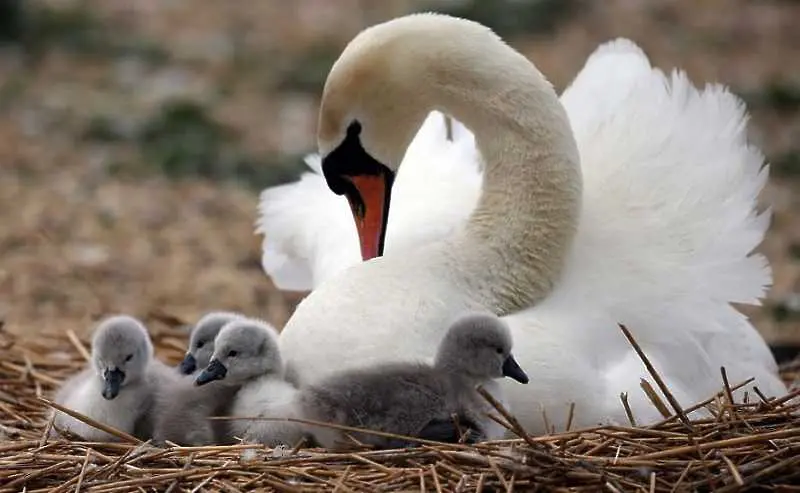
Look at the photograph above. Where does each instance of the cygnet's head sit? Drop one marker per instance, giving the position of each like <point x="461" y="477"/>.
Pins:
<point x="121" y="351"/>
<point x="479" y="345"/>
<point x="201" y="342"/>
<point x="243" y="349"/>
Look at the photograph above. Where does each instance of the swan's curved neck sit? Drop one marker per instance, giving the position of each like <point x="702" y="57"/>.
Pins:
<point x="511" y="252"/>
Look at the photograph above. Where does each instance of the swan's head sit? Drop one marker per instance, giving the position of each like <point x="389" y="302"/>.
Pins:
<point x="479" y="345"/>
<point x="378" y="93"/>
<point x="244" y="349"/>
<point x="201" y="342"/>
<point x="121" y="351"/>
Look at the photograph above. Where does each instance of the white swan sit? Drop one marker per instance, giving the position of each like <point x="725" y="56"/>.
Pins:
<point x="652" y="226"/>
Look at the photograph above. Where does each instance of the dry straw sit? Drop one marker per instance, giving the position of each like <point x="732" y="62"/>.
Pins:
<point x="745" y="444"/>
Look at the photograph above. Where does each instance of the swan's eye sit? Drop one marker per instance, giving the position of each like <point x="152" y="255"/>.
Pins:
<point x="232" y="354"/>
<point x="128" y="357"/>
<point x="200" y="344"/>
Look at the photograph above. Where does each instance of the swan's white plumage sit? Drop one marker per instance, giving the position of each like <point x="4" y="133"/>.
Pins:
<point x="309" y="233"/>
<point x="664" y="244"/>
<point x="669" y="220"/>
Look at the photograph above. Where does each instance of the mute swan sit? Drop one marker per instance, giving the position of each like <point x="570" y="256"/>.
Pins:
<point x="629" y="201"/>
<point x="118" y="388"/>
<point x="416" y="399"/>
<point x="201" y="340"/>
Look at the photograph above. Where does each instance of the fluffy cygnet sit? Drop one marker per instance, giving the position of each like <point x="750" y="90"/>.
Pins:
<point x="201" y="341"/>
<point x="243" y="351"/>
<point x="182" y="410"/>
<point x="417" y="400"/>
<point x="118" y="387"/>
<point x="247" y="353"/>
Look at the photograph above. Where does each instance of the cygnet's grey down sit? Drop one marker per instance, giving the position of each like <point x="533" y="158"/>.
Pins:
<point x="201" y="341"/>
<point x="243" y="351"/>
<point x="248" y="354"/>
<point x="414" y="399"/>
<point x="118" y="387"/>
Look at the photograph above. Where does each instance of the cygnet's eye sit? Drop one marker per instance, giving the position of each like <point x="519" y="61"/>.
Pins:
<point x="200" y="344"/>
<point x="499" y="350"/>
<point x="232" y="354"/>
<point x="129" y="357"/>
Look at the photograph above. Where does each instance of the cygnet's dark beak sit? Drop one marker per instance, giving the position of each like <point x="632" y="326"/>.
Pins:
<point x="214" y="371"/>
<point x="188" y="365"/>
<point x="112" y="379"/>
<point x="511" y="369"/>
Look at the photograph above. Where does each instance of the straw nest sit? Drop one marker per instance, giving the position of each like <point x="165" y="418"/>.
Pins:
<point x="755" y="444"/>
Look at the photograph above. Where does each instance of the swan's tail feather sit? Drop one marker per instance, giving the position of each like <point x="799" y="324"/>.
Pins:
<point x="604" y="83"/>
<point x="670" y="217"/>
<point x="670" y="185"/>
<point x="307" y="229"/>
<point x="309" y="234"/>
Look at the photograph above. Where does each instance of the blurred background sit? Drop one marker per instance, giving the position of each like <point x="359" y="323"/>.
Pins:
<point x="136" y="135"/>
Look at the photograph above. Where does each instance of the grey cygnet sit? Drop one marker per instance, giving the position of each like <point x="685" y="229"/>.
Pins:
<point x="417" y="400"/>
<point x="118" y="387"/>
<point x="244" y="350"/>
<point x="201" y="340"/>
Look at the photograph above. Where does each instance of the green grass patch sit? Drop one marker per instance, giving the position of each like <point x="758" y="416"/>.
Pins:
<point x="308" y="73"/>
<point x="182" y="140"/>
<point x="782" y="97"/>
<point x="38" y="28"/>
<point x="786" y="165"/>
<point x="794" y="251"/>
<point x="784" y="312"/>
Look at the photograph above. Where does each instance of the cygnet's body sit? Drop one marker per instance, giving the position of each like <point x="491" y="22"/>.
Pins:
<point x="265" y="397"/>
<point x="248" y="354"/>
<point x="201" y="341"/>
<point x="419" y="400"/>
<point x="118" y="388"/>
<point x="245" y="352"/>
<point x="182" y="410"/>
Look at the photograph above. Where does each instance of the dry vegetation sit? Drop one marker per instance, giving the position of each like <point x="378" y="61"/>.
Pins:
<point x="754" y="443"/>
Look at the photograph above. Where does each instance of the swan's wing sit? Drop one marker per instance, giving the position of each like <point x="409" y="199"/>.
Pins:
<point x="669" y="217"/>
<point x="670" y="183"/>
<point x="309" y="234"/>
<point x="308" y="231"/>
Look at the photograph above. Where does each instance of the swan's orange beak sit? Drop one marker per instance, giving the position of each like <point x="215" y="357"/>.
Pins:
<point x="371" y="211"/>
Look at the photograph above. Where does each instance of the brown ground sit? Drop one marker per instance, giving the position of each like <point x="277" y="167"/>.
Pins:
<point x="89" y="225"/>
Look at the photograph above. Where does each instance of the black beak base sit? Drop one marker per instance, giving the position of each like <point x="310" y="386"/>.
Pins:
<point x="112" y="381"/>
<point x="348" y="161"/>
<point x="214" y="371"/>
<point x="188" y="365"/>
<point x="512" y="369"/>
